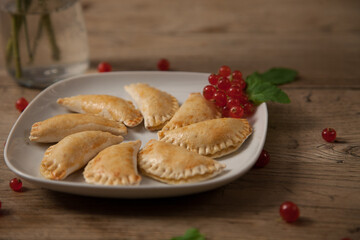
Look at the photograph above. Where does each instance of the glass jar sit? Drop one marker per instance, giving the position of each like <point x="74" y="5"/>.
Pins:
<point x="44" y="41"/>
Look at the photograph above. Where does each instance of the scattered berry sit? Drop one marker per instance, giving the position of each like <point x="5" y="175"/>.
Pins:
<point x="15" y="184"/>
<point x="289" y="211"/>
<point x="263" y="159"/>
<point x="220" y="99"/>
<point x="224" y="84"/>
<point x="224" y="71"/>
<point x="329" y="134"/>
<point x="213" y="79"/>
<point x="104" y="67"/>
<point x="163" y="64"/>
<point x="236" y="75"/>
<point x="21" y="104"/>
<point x="236" y="112"/>
<point x="209" y="92"/>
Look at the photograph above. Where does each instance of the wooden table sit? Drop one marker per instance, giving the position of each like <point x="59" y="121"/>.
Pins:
<point x="320" y="39"/>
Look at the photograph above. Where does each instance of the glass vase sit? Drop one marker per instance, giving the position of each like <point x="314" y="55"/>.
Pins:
<point x="44" y="41"/>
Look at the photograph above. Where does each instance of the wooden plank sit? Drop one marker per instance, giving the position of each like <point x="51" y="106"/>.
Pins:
<point x="322" y="178"/>
<point x="207" y="36"/>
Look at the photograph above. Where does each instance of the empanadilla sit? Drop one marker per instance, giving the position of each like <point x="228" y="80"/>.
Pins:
<point x="157" y="107"/>
<point x="195" y="109"/>
<point x="73" y="152"/>
<point x="56" y="128"/>
<point x="107" y="106"/>
<point x="213" y="138"/>
<point x="172" y="164"/>
<point x="115" y="165"/>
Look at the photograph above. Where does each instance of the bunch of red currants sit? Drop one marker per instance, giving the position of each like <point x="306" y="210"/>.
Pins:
<point x="227" y="91"/>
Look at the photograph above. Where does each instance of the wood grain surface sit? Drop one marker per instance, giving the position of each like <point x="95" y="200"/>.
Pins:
<point x="320" y="39"/>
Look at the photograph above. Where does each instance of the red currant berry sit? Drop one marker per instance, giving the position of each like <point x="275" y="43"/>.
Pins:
<point x="234" y="92"/>
<point x="329" y="134"/>
<point x="0" y="204"/>
<point x="104" y="67"/>
<point x="263" y="159"/>
<point x="249" y="109"/>
<point x="242" y="84"/>
<point x="243" y="99"/>
<point x="236" y="82"/>
<point x="236" y="112"/>
<point x="224" y="84"/>
<point x="239" y="82"/>
<point x="21" y="104"/>
<point x="289" y="211"/>
<point x="15" y="184"/>
<point x="209" y="91"/>
<point x="237" y="74"/>
<point x="224" y="71"/>
<point x="213" y="79"/>
<point x="231" y="102"/>
<point x="225" y="111"/>
<point x="163" y="64"/>
<point x="220" y="98"/>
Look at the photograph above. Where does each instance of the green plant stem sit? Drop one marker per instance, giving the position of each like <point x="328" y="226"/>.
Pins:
<point x="19" y="22"/>
<point x="27" y="38"/>
<point x="15" y="40"/>
<point x="9" y="51"/>
<point x="12" y="47"/>
<point x="10" y="43"/>
<point x="51" y="35"/>
<point x="37" y="38"/>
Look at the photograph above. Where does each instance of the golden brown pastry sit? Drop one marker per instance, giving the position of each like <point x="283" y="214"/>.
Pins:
<point x="73" y="152"/>
<point x="213" y="138"/>
<point x="156" y="106"/>
<point x="56" y="128"/>
<point x="115" y="165"/>
<point x="110" y="107"/>
<point x="171" y="164"/>
<point x="195" y="109"/>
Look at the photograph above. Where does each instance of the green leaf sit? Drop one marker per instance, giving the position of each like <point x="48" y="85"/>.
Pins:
<point x="278" y="76"/>
<point x="191" y="234"/>
<point x="260" y="90"/>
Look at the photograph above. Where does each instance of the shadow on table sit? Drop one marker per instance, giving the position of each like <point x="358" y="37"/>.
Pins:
<point x="250" y="194"/>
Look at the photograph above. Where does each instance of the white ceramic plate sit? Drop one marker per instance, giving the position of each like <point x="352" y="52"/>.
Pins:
<point x="24" y="157"/>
